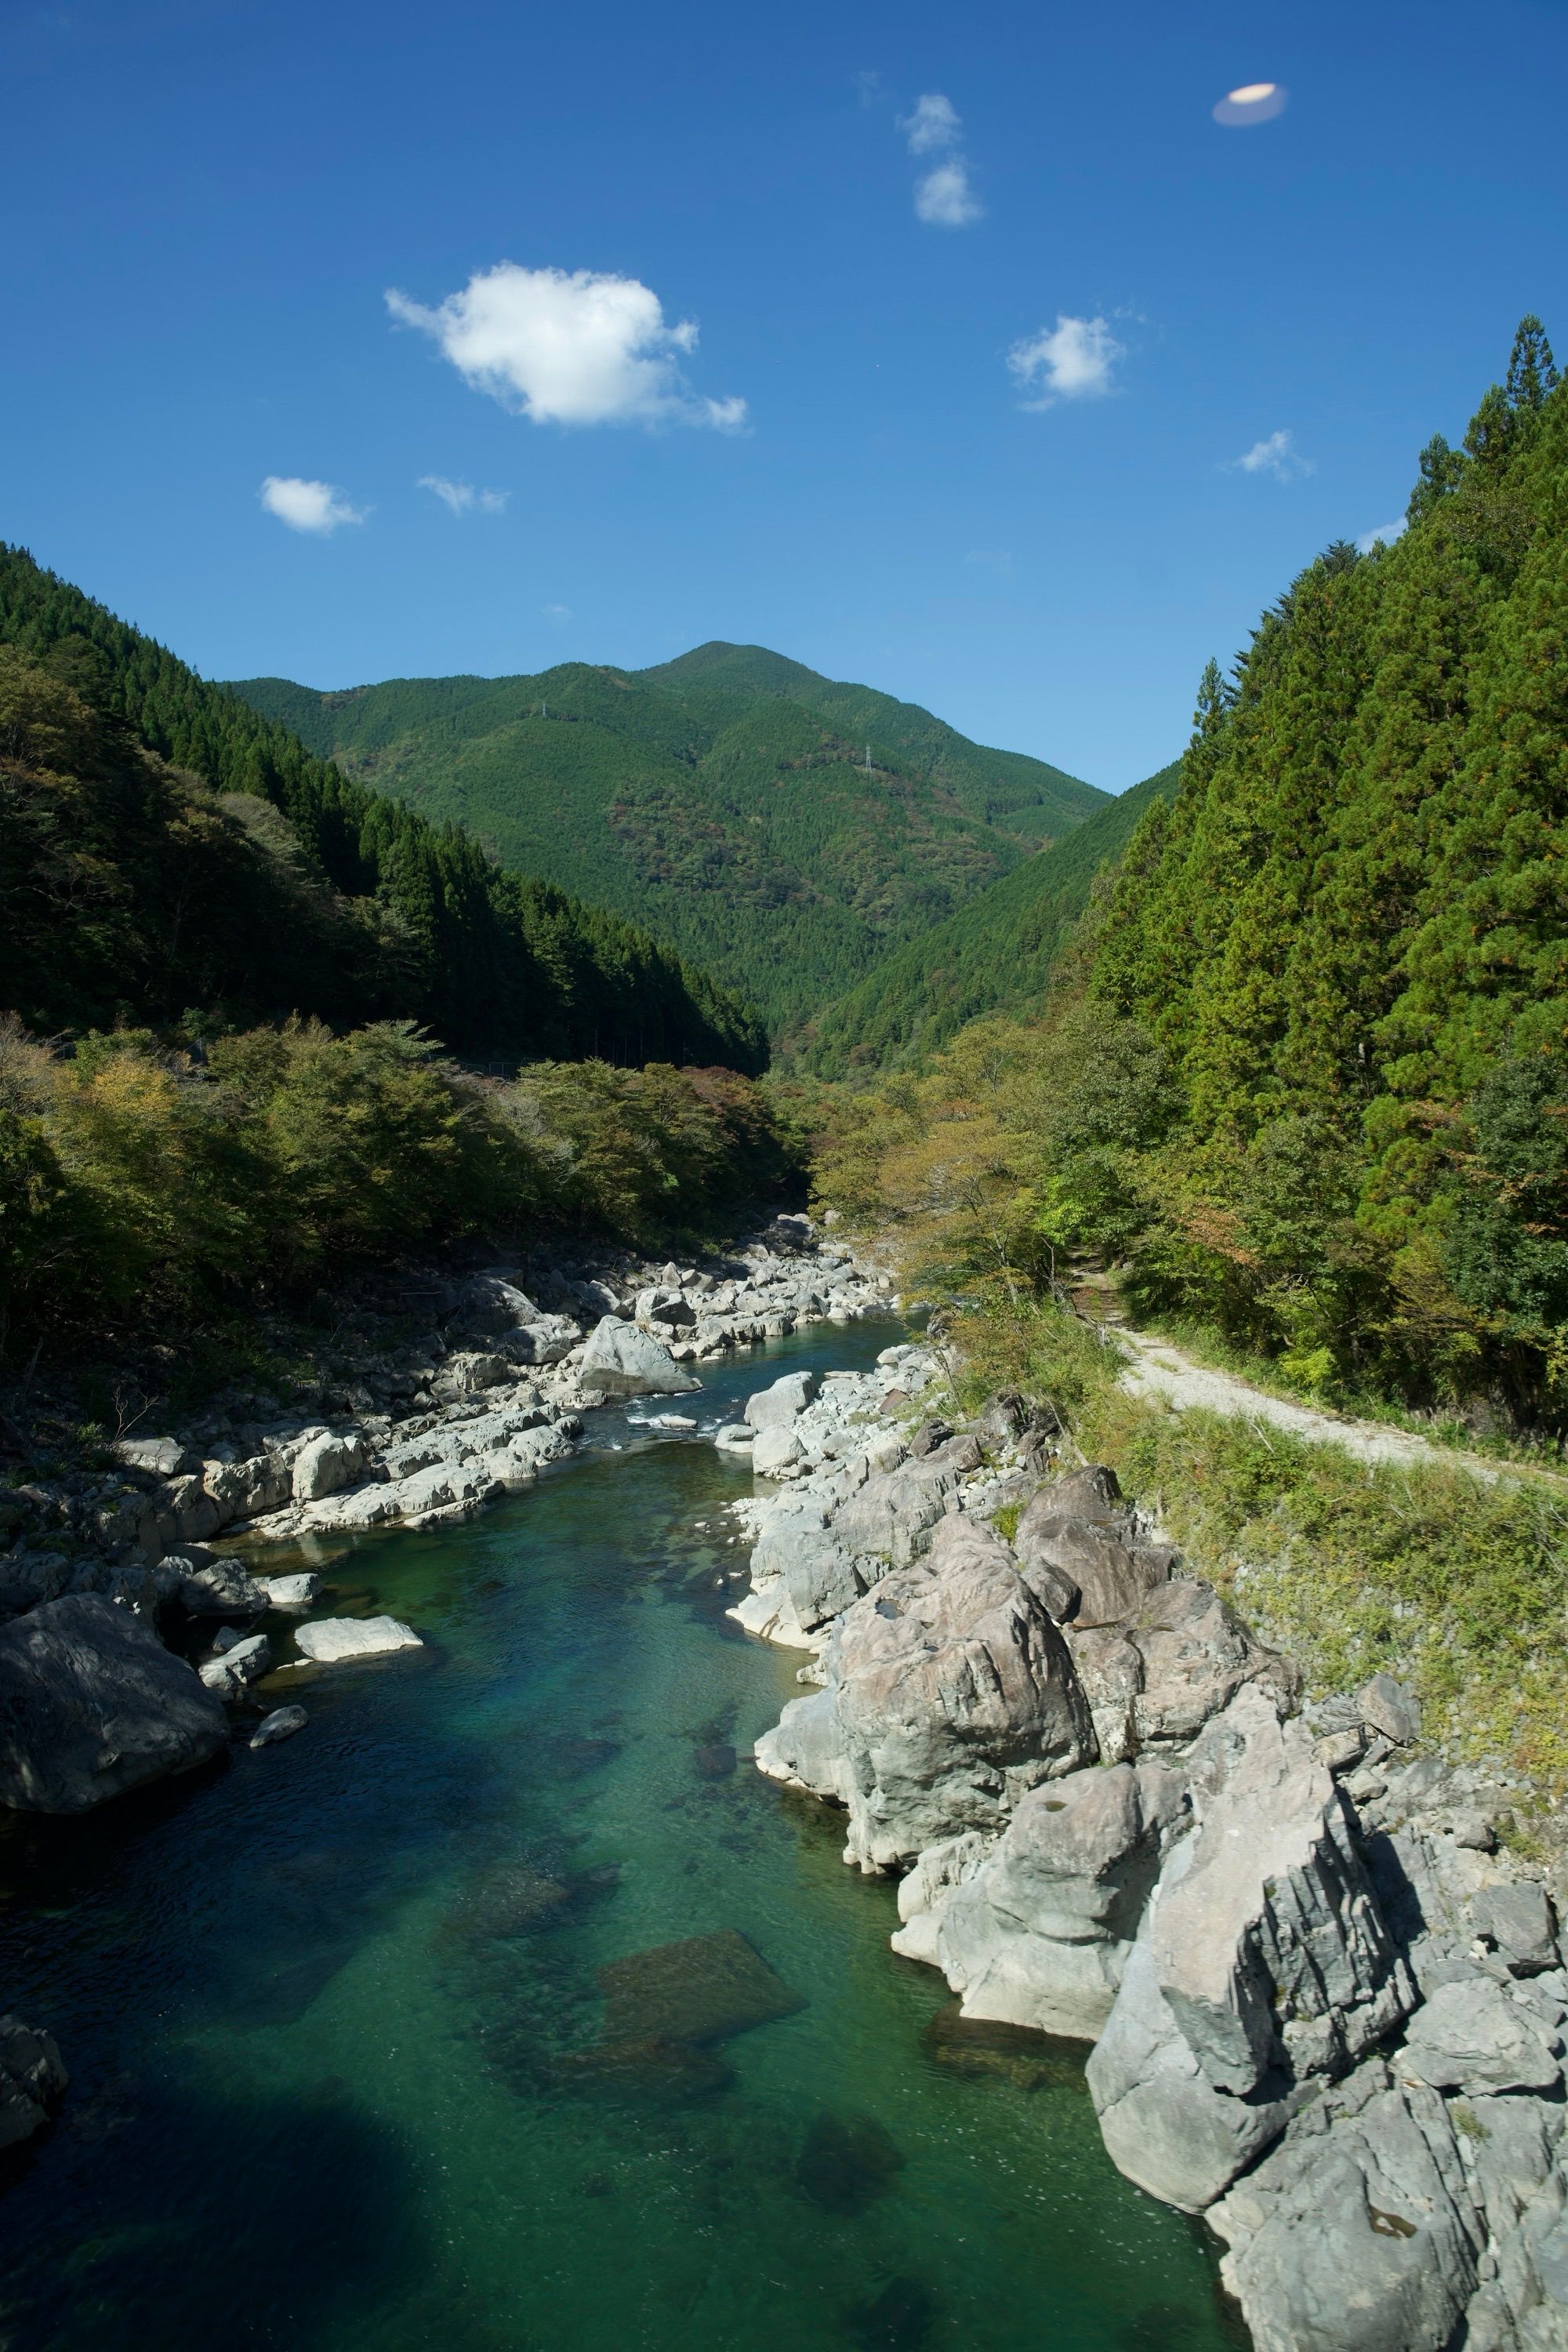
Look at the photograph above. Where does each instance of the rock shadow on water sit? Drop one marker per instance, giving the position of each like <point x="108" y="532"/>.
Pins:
<point x="985" y="2049"/>
<point x="847" y="2162"/>
<point x="314" y="2176"/>
<point x="899" y="2318"/>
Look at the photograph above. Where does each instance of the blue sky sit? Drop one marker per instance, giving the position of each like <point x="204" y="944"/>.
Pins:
<point x="989" y="452"/>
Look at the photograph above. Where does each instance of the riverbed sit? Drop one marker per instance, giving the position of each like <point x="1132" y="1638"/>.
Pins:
<point x="344" y="2077"/>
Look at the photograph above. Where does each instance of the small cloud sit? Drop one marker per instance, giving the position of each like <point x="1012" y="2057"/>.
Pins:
<point x="1385" y="533"/>
<point x="1255" y="101"/>
<point x="557" y="612"/>
<point x="933" y="126"/>
<point x="577" y="346"/>
<point x="999" y="559"/>
<point x="1277" y="455"/>
<point x="945" y="199"/>
<point x="462" y="497"/>
<point x="869" y="85"/>
<point x="317" y="507"/>
<point x="1071" y="361"/>
<point x="944" y="196"/>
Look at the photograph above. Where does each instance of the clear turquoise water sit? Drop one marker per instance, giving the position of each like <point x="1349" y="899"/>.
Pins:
<point x="314" y="2002"/>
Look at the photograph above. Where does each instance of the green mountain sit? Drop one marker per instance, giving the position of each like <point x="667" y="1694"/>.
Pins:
<point x="165" y="848"/>
<point x="1345" y="947"/>
<point x="995" y="955"/>
<point x="781" y="828"/>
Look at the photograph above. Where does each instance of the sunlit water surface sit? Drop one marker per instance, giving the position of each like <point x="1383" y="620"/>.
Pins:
<point x="336" y="2039"/>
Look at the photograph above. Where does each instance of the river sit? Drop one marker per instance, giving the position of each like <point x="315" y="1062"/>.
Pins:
<point x="331" y="2011"/>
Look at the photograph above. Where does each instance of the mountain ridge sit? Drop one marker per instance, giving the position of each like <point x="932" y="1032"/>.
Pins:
<point x="781" y="828"/>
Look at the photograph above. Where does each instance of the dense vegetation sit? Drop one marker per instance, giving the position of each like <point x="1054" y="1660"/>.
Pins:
<point x="165" y="848"/>
<point x="163" y="1194"/>
<point x="722" y="800"/>
<point x="996" y="954"/>
<point x="1304" y="1078"/>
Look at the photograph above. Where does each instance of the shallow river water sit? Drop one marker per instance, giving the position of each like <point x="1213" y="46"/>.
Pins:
<point x="344" y="2078"/>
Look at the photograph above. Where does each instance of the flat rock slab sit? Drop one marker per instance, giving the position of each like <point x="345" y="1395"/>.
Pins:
<point x="332" y="1638"/>
<point x="703" y="1988"/>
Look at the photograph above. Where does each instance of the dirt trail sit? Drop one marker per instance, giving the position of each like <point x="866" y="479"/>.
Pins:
<point x="1158" y="1368"/>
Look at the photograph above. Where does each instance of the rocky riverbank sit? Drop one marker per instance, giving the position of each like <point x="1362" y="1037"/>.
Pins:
<point x="140" y="1634"/>
<point x="1318" y="1963"/>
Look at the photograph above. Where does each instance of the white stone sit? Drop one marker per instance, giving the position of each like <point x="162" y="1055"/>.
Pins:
<point x="331" y="1638"/>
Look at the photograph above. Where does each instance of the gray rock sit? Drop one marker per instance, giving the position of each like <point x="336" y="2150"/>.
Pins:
<point x="1263" y="1961"/>
<point x="621" y="1360"/>
<point x="783" y="1404"/>
<point x="299" y="1591"/>
<point x="734" y="1435"/>
<point x="331" y="1639"/>
<point x="165" y="1457"/>
<point x="1039" y="1933"/>
<point x="1359" y="2233"/>
<point x="92" y="1704"/>
<point x="32" y="2080"/>
<point x="470" y="1373"/>
<point x="1474" y="2036"/>
<point x="241" y="1663"/>
<point x="1195" y="1656"/>
<point x="1111" y="1576"/>
<point x="326" y="1466"/>
<point x="212" y="1585"/>
<point x="1515" y="1919"/>
<point x="776" y="1450"/>
<point x="281" y="1724"/>
<point x="951" y="1691"/>
<point x="1390" y="1707"/>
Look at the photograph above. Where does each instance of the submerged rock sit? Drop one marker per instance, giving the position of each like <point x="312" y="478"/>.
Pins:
<point x="281" y="1724"/>
<point x="32" y="2080"/>
<point x="92" y="1704"/>
<point x="847" y="2162"/>
<point x="703" y="1988"/>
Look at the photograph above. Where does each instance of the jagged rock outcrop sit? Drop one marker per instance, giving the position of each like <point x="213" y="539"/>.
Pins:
<point x="92" y="1703"/>
<point x="1036" y="1930"/>
<point x="949" y="1692"/>
<point x="1263" y="1961"/>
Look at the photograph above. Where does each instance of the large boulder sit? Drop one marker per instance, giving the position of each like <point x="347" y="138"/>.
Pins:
<point x="326" y="1465"/>
<point x="1039" y="1933"/>
<point x="621" y="1360"/>
<point x="949" y="1692"/>
<point x="210" y="1583"/>
<point x="783" y="1404"/>
<point x="32" y="2080"/>
<point x="1263" y="1961"/>
<point x="92" y="1704"/>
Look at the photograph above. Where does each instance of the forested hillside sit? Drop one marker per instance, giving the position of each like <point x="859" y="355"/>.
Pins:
<point x="166" y="849"/>
<point x="724" y="800"/>
<point x="996" y="954"/>
<point x="1314" y="1091"/>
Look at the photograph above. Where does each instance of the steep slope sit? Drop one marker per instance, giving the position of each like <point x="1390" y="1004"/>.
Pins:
<point x="995" y="955"/>
<point x="165" y="847"/>
<point x="724" y="799"/>
<point x="1345" y="945"/>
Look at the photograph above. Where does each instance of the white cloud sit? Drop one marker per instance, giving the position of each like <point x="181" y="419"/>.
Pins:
<point x="943" y="197"/>
<point x="1388" y="531"/>
<point x="462" y="497"/>
<point x="556" y="611"/>
<point x="1277" y="455"/>
<point x="318" y="507"/>
<point x="934" y="125"/>
<point x="1071" y="361"/>
<point x="575" y="347"/>
<point x="946" y="198"/>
